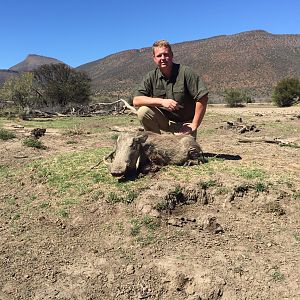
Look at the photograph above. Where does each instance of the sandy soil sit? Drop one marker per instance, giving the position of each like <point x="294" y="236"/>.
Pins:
<point x="225" y="231"/>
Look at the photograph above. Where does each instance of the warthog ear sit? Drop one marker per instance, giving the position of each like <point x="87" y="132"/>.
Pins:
<point x="141" y="138"/>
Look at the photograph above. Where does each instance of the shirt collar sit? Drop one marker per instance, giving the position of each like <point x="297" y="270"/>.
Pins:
<point x="174" y="72"/>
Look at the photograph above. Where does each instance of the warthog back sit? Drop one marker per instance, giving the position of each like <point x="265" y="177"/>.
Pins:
<point x="172" y="149"/>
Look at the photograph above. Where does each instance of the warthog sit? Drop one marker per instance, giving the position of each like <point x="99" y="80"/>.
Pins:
<point x="145" y="152"/>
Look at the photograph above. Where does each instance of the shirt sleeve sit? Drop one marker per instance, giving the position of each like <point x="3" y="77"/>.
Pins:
<point x="145" y="88"/>
<point x="195" y="85"/>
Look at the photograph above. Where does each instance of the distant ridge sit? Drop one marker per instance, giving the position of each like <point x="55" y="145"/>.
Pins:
<point x="33" y="61"/>
<point x="7" y="73"/>
<point x="253" y="60"/>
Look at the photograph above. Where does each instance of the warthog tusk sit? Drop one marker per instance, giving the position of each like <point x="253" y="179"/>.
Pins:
<point x="109" y="156"/>
<point x="137" y="163"/>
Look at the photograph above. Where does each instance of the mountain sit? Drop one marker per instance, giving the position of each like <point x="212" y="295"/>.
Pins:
<point x="253" y="60"/>
<point x="33" y="61"/>
<point x="4" y="74"/>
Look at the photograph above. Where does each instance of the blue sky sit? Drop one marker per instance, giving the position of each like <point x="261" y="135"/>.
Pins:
<point x="77" y="32"/>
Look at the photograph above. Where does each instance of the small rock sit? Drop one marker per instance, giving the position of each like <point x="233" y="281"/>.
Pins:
<point x="213" y="226"/>
<point x="130" y="269"/>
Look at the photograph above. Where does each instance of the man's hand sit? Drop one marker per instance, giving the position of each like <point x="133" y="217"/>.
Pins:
<point x="187" y="128"/>
<point x="171" y="104"/>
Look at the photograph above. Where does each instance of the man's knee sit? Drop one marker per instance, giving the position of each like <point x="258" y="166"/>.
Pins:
<point x="144" y="112"/>
<point x="152" y="119"/>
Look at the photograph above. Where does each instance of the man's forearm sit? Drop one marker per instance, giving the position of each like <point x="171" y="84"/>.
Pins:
<point x="200" y="110"/>
<point x="168" y="104"/>
<point x="146" y="101"/>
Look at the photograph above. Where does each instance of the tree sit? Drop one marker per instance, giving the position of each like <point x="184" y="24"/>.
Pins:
<point x="235" y="97"/>
<point x="20" y="90"/>
<point x="286" y="92"/>
<point x="58" y="84"/>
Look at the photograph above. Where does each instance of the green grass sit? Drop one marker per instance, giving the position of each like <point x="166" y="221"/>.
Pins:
<point x="222" y="190"/>
<point x="251" y="173"/>
<point x="90" y="124"/>
<point x="207" y="184"/>
<point x="4" y="171"/>
<point x="297" y="236"/>
<point x="277" y="275"/>
<point x="146" y="240"/>
<point x="135" y="227"/>
<point x="33" y="143"/>
<point x="11" y="200"/>
<point x="6" y="134"/>
<point x="290" y="145"/>
<point x="2" y="121"/>
<point x="16" y="216"/>
<point x="63" y="213"/>
<point x="70" y="176"/>
<point x="44" y="204"/>
<point x="127" y="197"/>
<point x="150" y="223"/>
<point x="143" y="230"/>
<point x="70" y="171"/>
<point x="161" y="206"/>
<point x="261" y="186"/>
<point x="71" y="142"/>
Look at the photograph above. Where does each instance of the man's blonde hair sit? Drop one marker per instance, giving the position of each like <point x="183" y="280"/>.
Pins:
<point x="161" y="43"/>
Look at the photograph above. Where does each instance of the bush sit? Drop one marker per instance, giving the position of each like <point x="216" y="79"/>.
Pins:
<point x="286" y="92"/>
<point x="34" y="143"/>
<point x="59" y="84"/>
<point x="20" y="91"/>
<point x="236" y="98"/>
<point x="6" y="134"/>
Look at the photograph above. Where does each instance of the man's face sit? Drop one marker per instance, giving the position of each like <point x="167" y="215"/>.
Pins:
<point x="163" y="57"/>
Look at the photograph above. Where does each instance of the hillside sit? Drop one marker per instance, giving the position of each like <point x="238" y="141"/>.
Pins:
<point x="253" y="60"/>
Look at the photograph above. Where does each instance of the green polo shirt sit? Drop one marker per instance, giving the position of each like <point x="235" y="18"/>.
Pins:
<point x="184" y="86"/>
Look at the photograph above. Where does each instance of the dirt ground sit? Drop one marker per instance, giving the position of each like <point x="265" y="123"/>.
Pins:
<point x="228" y="229"/>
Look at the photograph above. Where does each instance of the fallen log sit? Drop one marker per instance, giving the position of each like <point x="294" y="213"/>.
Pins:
<point x="269" y="141"/>
<point x="259" y="140"/>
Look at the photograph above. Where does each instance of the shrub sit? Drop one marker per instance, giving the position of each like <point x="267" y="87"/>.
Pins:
<point x="59" y="84"/>
<point x="236" y="98"/>
<point x="34" y="143"/>
<point x="6" y="134"/>
<point x="286" y="92"/>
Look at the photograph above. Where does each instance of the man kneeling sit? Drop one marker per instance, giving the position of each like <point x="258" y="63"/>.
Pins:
<point x="172" y="97"/>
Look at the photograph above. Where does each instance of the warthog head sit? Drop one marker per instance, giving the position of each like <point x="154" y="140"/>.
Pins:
<point x="124" y="160"/>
